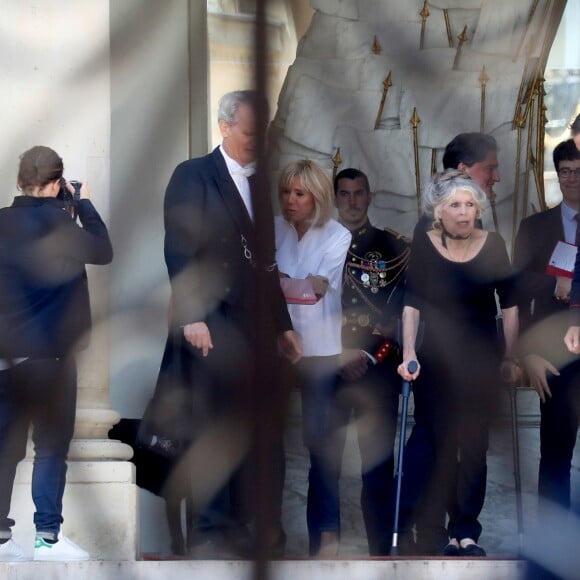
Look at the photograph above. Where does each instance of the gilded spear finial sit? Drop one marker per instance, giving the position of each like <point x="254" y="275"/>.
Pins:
<point x="463" y="38"/>
<point x="387" y="83"/>
<point x="424" y="14"/>
<point x="483" y="78"/>
<point x="540" y="128"/>
<point x="541" y="138"/>
<point x="376" y="47"/>
<point x="336" y="161"/>
<point x="448" y="27"/>
<point x="415" y="120"/>
<point x="520" y="123"/>
<point x="528" y="164"/>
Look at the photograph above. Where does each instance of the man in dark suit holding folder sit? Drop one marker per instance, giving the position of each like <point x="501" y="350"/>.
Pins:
<point x="544" y="318"/>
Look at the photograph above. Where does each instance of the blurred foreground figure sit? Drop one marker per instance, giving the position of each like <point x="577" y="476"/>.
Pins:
<point x="372" y="302"/>
<point x="453" y="274"/>
<point x="44" y="320"/>
<point x="208" y="369"/>
<point x="544" y="296"/>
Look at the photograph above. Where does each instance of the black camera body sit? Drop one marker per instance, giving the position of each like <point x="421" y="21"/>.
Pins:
<point x="70" y="200"/>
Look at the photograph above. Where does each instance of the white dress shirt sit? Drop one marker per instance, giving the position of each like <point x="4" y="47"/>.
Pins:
<point x="321" y="251"/>
<point x="240" y="176"/>
<point x="569" y="223"/>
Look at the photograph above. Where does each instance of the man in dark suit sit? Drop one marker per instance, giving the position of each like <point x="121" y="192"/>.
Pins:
<point x="372" y="302"/>
<point x="544" y="300"/>
<point x="212" y="256"/>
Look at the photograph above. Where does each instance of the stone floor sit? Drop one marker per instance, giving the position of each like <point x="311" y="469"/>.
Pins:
<point x="498" y="518"/>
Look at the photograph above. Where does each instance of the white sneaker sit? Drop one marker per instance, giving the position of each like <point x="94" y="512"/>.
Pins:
<point x="10" y="551"/>
<point x="64" y="550"/>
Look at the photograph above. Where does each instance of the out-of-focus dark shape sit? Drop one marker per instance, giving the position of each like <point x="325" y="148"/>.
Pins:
<point x="213" y="255"/>
<point x="544" y="301"/>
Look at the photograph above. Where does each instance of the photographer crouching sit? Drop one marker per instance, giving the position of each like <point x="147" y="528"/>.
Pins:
<point x="44" y="320"/>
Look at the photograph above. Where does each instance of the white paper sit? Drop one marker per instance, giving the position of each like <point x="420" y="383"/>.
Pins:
<point x="563" y="257"/>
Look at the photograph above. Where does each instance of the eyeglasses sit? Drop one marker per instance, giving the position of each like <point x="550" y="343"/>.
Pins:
<point x="566" y="173"/>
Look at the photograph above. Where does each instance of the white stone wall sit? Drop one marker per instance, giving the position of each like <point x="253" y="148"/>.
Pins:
<point x="54" y="89"/>
<point x="332" y="93"/>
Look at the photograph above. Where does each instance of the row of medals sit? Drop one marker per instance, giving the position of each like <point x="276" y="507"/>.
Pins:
<point x="373" y="277"/>
<point x="374" y="274"/>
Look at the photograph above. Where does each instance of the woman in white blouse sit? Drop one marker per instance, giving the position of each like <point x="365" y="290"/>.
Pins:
<point x="310" y="244"/>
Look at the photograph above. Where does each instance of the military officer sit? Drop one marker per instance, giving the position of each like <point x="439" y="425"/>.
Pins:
<point x="368" y="387"/>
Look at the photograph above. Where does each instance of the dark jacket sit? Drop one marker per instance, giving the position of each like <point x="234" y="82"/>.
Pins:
<point x="210" y="249"/>
<point x="207" y="229"/>
<point x="537" y="237"/>
<point x="374" y="282"/>
<point x="44" y="298"/>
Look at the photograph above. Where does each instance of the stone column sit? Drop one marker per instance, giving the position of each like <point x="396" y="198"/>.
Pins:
<point x="60" y="61"/>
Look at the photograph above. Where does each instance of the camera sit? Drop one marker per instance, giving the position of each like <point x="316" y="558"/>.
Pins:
<point x="70" y="200"/>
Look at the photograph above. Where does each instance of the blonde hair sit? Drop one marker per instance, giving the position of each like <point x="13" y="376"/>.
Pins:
<point x="316" y="181"/>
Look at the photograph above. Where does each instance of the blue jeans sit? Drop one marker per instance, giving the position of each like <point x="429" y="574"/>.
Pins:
<point x="327" y="405"/>
<point x="317" y="378"/>
<point x="41" y="393"/>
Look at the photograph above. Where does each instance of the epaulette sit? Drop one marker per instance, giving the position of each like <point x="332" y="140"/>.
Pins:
<point x="398" y="235"/>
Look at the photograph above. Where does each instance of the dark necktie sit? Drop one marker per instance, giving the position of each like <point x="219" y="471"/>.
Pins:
<point x="577" y="220"/>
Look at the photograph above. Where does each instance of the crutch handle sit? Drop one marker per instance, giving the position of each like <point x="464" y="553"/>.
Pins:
<point x="412" y="367"/>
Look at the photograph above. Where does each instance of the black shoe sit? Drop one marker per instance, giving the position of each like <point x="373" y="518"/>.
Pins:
<point x="472" y="551"/>
<point x="451" y="551"/>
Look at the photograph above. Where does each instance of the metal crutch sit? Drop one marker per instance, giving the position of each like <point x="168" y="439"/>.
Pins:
<point x="516" y="457"/>
<point x="515" y="438"/>
<point x="412" y="367"/>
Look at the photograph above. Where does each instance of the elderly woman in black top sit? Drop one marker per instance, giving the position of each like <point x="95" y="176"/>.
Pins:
<point x="453" y="274"/>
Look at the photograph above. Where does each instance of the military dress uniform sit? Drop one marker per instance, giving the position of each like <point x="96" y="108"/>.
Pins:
<point x="372" y="300"/>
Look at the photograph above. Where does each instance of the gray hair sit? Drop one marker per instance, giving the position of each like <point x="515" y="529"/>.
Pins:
<point x="230" y="103"/>
<point x="444" y="186"/>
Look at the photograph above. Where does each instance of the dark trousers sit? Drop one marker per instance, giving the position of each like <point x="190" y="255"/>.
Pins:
<point x="374" y="403"/>
<point x="328" y="404"/>
<point x="445" y="459"/>
<point x="41" y="393"/>
<point x="558" y="431"/>
<point x="316" y="378"/>
<point x="223" y="461"/>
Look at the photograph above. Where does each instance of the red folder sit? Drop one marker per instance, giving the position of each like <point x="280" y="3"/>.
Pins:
<point x="298" y="291"/>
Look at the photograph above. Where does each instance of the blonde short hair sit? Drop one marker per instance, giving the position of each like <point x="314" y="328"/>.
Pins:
<point x="443" y="188"/>
<point x="315" y="180"/>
